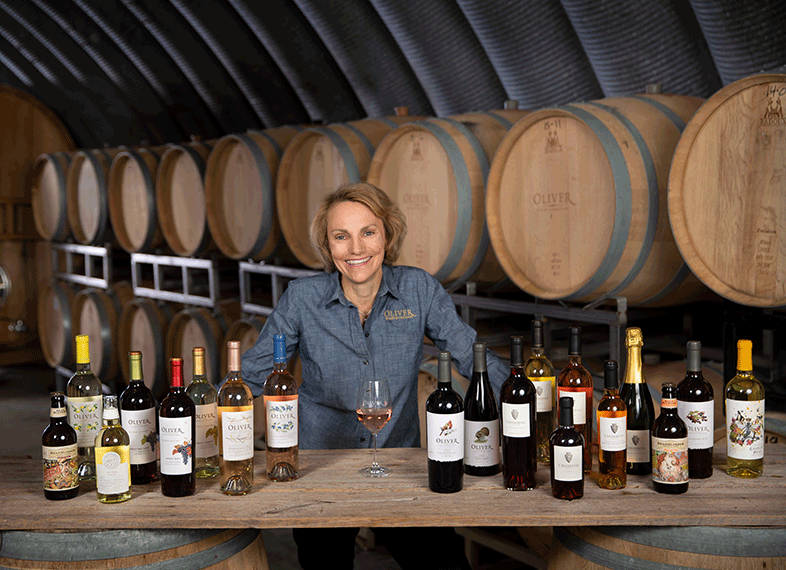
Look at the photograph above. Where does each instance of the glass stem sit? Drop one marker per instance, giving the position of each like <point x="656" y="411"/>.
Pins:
<point x="374" y="464"/>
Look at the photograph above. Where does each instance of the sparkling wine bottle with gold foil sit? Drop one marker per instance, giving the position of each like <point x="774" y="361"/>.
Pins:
<point x="59" y="451"/>
<point x="204" y="395"/>
<point x="696" y="407"/>
<point x="744" y="418"/>
<point x="540" y="372"/>
<point x="85" y="406"/>
<point x="612" y="431"/>
<point x="575" y="381"/>
<point x="235" y="428"/>
<point x="138" y="418"/>
<point x="281" y="417"/>
<point x="638" y="403"/>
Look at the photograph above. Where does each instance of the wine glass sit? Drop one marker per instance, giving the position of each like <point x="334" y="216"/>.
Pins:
<point x="374" y="410"/>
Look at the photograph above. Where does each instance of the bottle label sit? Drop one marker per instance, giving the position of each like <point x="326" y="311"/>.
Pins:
<point x="207" y="430"/>
<point x="699" y="417"/>
<point x="544" y="393"/>
<point x="176" y="446"/>
<point x="745" y="429"/>
<point x="445" y="436"/>
<point x="670" y="460"/>
<point x="60" y="467"/>
<point x="481" y="443"/>
<point x="580" y="396"/>
<point x="84" y="415"/>
<point x="638" y="446"/>
<point x="237" y="432"/>
<point x="613" y="433"/>
<point x="281" y="421"/>
<point x="568" y="463"/>
<point x="141" y="428"/>
<point x="516" y="420"/>
<point x="113" y="470"/>
<point x="58" y="412"/>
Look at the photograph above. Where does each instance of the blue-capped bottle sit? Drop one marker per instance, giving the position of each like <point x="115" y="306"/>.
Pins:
<point x="281" y="416"/>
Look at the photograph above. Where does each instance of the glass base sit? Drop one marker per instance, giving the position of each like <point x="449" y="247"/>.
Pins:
<point x="375" y="471"/>
<point x="87" y="470"/>
<point x="236" y="485"/>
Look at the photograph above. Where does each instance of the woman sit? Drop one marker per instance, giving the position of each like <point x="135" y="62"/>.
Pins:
<point x="362" y="317"/>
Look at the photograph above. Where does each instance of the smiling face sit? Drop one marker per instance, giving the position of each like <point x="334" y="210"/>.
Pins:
<point x="357" y="243"/>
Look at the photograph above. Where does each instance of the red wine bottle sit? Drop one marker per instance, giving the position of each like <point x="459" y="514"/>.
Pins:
<point x="138" y="418"/>
<point x="566" y="446"/>
<point x="177" y="426"/>
<point x="445" y="433"/>
<point x="696" y="407"/>
<point x="481" y="420"/>
<point x="519" y="426"/>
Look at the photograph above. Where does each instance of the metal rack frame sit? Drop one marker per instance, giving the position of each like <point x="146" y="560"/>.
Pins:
<point x="278" y="275"/>
<point x="70" y="250"/>
<point x="185" y="265"/>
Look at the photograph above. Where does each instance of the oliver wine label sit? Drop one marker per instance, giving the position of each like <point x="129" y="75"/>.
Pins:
<point x="237" y="432"/>
<point x="699" y="418"/>
<point x="141" y="428"/>
<point x="568" y="463"/>
<point x="745" y="429"/>
<point x="281" y="414"/>
<point x="177" y="454"/>
<point x="670" y="460"/>
<point x="207" y="430"/>
<point x="481" y="443"/>
<point x="60" y="467"/>
<point x="84" y="415"/>
<point x="445" y="436"/>
<point x="113" y="470"/>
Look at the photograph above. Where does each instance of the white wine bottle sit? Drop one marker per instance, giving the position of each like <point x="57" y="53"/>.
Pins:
<point x="113" y="456"/>
<point x="744" y="418"/>
<point x="281" y="420"/>
<point x="204" y="395"/>
<point x="83" y="393"/>
<point x="540" y="372"/>
<point x="235" y="428"/>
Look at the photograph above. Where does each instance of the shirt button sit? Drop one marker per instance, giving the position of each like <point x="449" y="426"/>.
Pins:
<point x="365" y="362"/>
<point x="367" y="335"/>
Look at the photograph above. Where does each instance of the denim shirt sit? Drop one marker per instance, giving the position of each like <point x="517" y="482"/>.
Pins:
<point x="336" y="352"/>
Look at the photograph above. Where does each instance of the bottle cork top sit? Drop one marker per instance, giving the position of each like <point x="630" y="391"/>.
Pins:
<point x="82" y="349"/>
<point x="744" y="355"/>
<point x="633" y="337"/>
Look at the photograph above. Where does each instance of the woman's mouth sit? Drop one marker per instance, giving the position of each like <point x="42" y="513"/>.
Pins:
<point x="357" y="262"/>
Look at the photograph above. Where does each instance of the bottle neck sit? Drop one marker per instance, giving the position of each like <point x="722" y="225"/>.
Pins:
<point x="574" y="359"/>
<point x="633" y="369"/>
<point x="611" y="392"/>
<point x="234" y="375"/>
<point x="279" y="366"/>
<point x="83" y="367"/>
<point x="537" y="352"/>
<point x="566" y="418"/>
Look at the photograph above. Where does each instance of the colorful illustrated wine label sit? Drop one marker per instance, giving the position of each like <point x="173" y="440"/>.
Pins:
<point x="176" y="445"/>
<point x="445" y="434"/>
<point x="237" y="432"/>
<point x="60" y="468"/>
<point x="141" y="428"/>
<point x="281" y="414"/>
<point x="745" y="429"/>
<point x="670" y="460"/>
<point x="84" y="415"/>
<point x="207" y="430"/>
<point x="699" y="418"/>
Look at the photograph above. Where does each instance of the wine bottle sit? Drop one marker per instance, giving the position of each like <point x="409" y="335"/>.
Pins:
<point x="638" y="403"/>
<point x="113" y="456"/>
<point x="567" y="455"/>
<point x="744" y="418"/>
<point x="481" y="420"/>
<point x="83" y="393"/>
<point x="575" y="381"/>
<point x="696" y="407"/>
<point x="235" y="428"/>
<point x="445" y="432"/>
<point x="540" y="371"/>
<point x="204" y="395"/>
<point x="519" y="428"/>
<point x="670" y="471"/>
<point x="177" y="425"/>
<point x="612" y="428"/>
<point x="281" y="417"/>
<point x="59" y="450"/>
<point x="138" y="418"/>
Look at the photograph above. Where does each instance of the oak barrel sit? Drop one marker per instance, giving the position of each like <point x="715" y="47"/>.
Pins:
<point x="96" y="313"/>
<point x="18" y="289"/>
<point x="436" y="171"/>
<point x="143" y="326"/>
<point x="180" y="198"/>
<point x="87" y="198"/>
<point x="668" y="548"/>
<point x="240" y="178"/>
<point x="576" y="201"/>
<point x="49" y="195"/>
<point x="132" y="198"/>
<point x="160" y="548"/>
<point x="317" y="161"/>
<point x="726" y="192"/>
<point x="56" y="330"/>
<point x="30" y="129"/>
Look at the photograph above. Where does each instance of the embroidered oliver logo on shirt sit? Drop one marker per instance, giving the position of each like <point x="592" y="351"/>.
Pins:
<point x="399" y="314"/>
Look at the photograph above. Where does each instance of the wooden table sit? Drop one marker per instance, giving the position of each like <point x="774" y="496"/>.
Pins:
<point x="331" y="493"/>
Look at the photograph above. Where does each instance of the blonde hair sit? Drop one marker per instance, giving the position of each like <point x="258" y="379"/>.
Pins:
<point x="374" y="199"/>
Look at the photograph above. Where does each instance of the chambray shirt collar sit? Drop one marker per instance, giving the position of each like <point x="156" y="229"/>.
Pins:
<point x="336" y="293"/>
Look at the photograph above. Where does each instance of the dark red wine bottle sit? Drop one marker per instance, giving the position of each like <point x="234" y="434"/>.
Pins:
<point x="177" y="426"/>
<point x="481" y="420"/>
<point x="566" y="446"/>
<point x="445" y="433"/>
<point x="138" y="418"/>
